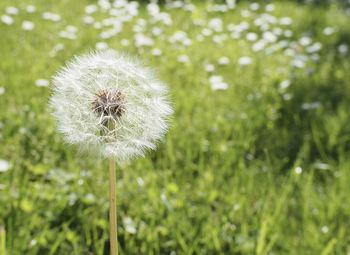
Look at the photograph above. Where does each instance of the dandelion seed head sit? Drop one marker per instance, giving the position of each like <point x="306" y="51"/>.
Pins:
<point x="110" y="104"/>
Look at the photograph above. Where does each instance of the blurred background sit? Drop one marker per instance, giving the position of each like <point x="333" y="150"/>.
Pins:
<point x="257" y="159"/>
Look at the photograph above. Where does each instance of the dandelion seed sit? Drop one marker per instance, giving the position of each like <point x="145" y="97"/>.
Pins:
<point x="27" y="25"/>
<point x="110" y="104"/>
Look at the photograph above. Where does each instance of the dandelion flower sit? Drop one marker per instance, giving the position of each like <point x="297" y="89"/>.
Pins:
<point x="109" y="104"/>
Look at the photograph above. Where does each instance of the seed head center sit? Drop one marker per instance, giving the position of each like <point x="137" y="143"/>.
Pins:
<point x="109" y="103"/>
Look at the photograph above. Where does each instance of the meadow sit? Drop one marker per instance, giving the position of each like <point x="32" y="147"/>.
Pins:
<point x="257" y="158"/>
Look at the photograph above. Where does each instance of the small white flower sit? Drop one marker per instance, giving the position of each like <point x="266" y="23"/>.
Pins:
<point x="259" y="46"/>
<point x="305" y="41"/>
<point x="244" y="61"/>
<point x="284" y="85"/>
<point x="4" y="165"/>
<point x="156" y="52"/>
<point x="298" y="170"/>
<point x="11" y="10"/>
<point x="286" y="21"/>
<point x="183" y="59"/>
<point x="124" y="42"/>
<point x="8" y="20"/>
<point x="269" y="7"/>
<point x="343" y="49"/>
<point x="110" y="104"/>
<point x="254" y="6"/>
<point x="209" y="68"/>
<point x="252" y="37"/>
<point x="51" y="16"/>
<point x="27" y="25"/>
<point x="30" y="8"/>
<point x="89" y="9"/>
<point x="101" y="46"/>
<point x="324" y="229"/>
<point x="88" y="20"/>
<point x="57" y="48"/>
<point x="217" y="83"/>
<point x="42" y="83"/>
<point x="310" y="106"/>
<point x="328" y="31"/>
<point x="224" y="61"/>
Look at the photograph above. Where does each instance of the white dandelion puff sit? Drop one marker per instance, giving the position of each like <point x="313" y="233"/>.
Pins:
<point x="109" y="104"/>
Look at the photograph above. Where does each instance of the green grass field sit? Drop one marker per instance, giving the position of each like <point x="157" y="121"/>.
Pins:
<point x="260" y="166"/>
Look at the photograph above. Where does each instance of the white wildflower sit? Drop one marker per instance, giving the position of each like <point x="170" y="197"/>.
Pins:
<point x="101" y="46"/>
<point x="183" y="59"/>
<point x="4" y="165"/>
<point x="252" y="37"/>
<point x="244" y="61"/>
<point x="343" y="49"/>
<point x="31" y="9"/>
<point x="27" y="25"/>
<point x="298" y="170"/>
<point x="11" y="10"/>
<point x="51" y="16"/>
<point x="328" y="31"/>
<point x="110" y="104"/>
<point x="42" y="83"/>
<point x="8" y="20"/>
<point x="156" y="52"/>
<point x="224" y="61"/>
<point x="217" y="83"/>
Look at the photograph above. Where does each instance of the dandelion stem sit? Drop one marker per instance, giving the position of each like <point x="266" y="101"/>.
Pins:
<point x="112" y="209"/>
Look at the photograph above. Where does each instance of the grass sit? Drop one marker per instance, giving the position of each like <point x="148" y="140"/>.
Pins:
<point x="249" y="170"/>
